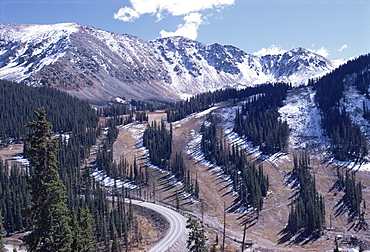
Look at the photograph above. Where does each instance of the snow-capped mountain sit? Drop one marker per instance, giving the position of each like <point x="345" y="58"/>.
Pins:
<point x="100" y="66"/>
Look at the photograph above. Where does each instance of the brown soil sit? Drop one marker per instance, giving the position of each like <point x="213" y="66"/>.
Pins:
<point x="152" y="227"/>
<point x="265" y="231"/>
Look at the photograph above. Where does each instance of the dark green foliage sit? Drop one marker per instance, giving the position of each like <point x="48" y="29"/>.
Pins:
<point x="307" y="213"/>
<point x="83" y="231"/>
<point x="2" y="231"/>
<point x="48" y="212"/>
<point x="104" y="159"/>
<point x="141" y="116"/>
<point x="159" y="143"/>
<point x="352" y="198"/>
<point x="259" y="122"/>
<point x="80" y="191"/>
<point x="249" y="181"/>
<point x="14" y="197"/>
<point x="147" y="105"/>
<point x="18" y="102"/>
<point x="115" y="110"/>
<point x="200" y="102"/>
<point x="348" y="142"/>
<point x="197" y="237"/>
<point x="182" y="173"/>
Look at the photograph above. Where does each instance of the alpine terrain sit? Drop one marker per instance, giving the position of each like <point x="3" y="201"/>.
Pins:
<point x="101" y="66"/>
<point x="174" y="145"/>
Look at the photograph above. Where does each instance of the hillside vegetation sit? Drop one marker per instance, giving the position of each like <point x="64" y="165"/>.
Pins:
<point x="223" y="157"/>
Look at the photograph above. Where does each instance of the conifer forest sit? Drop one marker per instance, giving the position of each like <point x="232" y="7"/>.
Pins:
<point x="228" y="161"/>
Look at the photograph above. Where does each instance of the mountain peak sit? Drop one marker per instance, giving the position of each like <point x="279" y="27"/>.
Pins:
<point x="98" y="65"/>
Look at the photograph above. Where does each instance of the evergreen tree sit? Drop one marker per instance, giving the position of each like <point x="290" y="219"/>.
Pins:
<point x="307" y="213"/>
<point x="83" y="232"/>
<point x="86" y="223"/>
<point x="347" y="140"/>
<point x="49" y="213"/>
<point x="249" y="182"/>
<point x="2" y="230"/>
<point x="197" y="238"/>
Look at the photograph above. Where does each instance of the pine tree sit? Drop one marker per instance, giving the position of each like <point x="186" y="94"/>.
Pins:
<point x="197" y="238"/>
<point x="86" y="223"/>
<point x="2" y="230"/>
<point x="49" y="213"/>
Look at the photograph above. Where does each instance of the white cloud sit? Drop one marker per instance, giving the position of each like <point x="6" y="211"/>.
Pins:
<point x="343" y="47"/>
<point x="188" y="8"/>
<point x="272" y="50"/>
<point x="189" y="29"/>
<point x="322" y="51"/>
<point x="126" y="14"/>
<point x="176" y="7"/>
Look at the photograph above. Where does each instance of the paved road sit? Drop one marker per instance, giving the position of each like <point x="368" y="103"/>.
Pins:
<point x="177" y="225"/>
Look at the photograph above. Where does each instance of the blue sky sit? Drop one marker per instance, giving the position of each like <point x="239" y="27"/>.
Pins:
<point x="333" y="28"/>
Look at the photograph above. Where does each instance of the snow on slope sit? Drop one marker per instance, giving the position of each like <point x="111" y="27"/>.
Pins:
<point x="100" y="65"/>
<point x="28" y="48"/>
<point x="304" y="120"/>
<point x="354" y="106"/>
<point x="194" y="66"/>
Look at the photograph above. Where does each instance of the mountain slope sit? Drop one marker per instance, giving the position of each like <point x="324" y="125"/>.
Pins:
<point x="99" y="66"/>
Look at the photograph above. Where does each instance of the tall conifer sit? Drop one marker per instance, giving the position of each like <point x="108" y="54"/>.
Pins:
<point x="49" y="213"/>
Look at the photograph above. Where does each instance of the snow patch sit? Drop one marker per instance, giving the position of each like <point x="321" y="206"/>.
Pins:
<point x="304" y="120"/>
<point x="105" y="180"/>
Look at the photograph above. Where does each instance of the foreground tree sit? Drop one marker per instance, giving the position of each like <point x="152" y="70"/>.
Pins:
<point x="2" y="230"/>
<point x="83" y="231"/>
<point x="197" y="238"/>
<point x="49" y="213"/>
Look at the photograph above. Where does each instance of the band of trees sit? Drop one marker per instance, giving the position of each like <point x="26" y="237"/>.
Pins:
<point x="347" y="140"/>
<point x="18" y="103"/>
<point x="159" y="143"/>
<point x="258" y="120"/>
<point x="158" y="140"/>
<point x="307" y="212"/>
<point x="179" y="110"/>
<point x="249" y="181"/>
<point x="95" y="219"/>
<point x="352" y="201"/>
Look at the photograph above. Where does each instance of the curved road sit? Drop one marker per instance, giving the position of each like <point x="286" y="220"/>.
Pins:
<point x="177" y="225"/>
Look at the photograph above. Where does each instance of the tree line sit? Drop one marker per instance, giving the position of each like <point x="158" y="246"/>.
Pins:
<point x="249" y="181"/>
<point x="307" y="212"/>
<point x="352" y="199"/>
<point x="65" y="209"/>
<point x="130" y="107"/>
<point x="84" y="197"/>
<point x="158" y="140"/>
<point x="347" y="140"/>
<point x="200" y="102"/>
<point x="14" y="197"/>
<point x="18" y="103"/>
<point x="258" y="120"/>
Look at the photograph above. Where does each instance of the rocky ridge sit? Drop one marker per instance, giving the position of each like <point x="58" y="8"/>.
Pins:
<point x="101" y="66"/>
